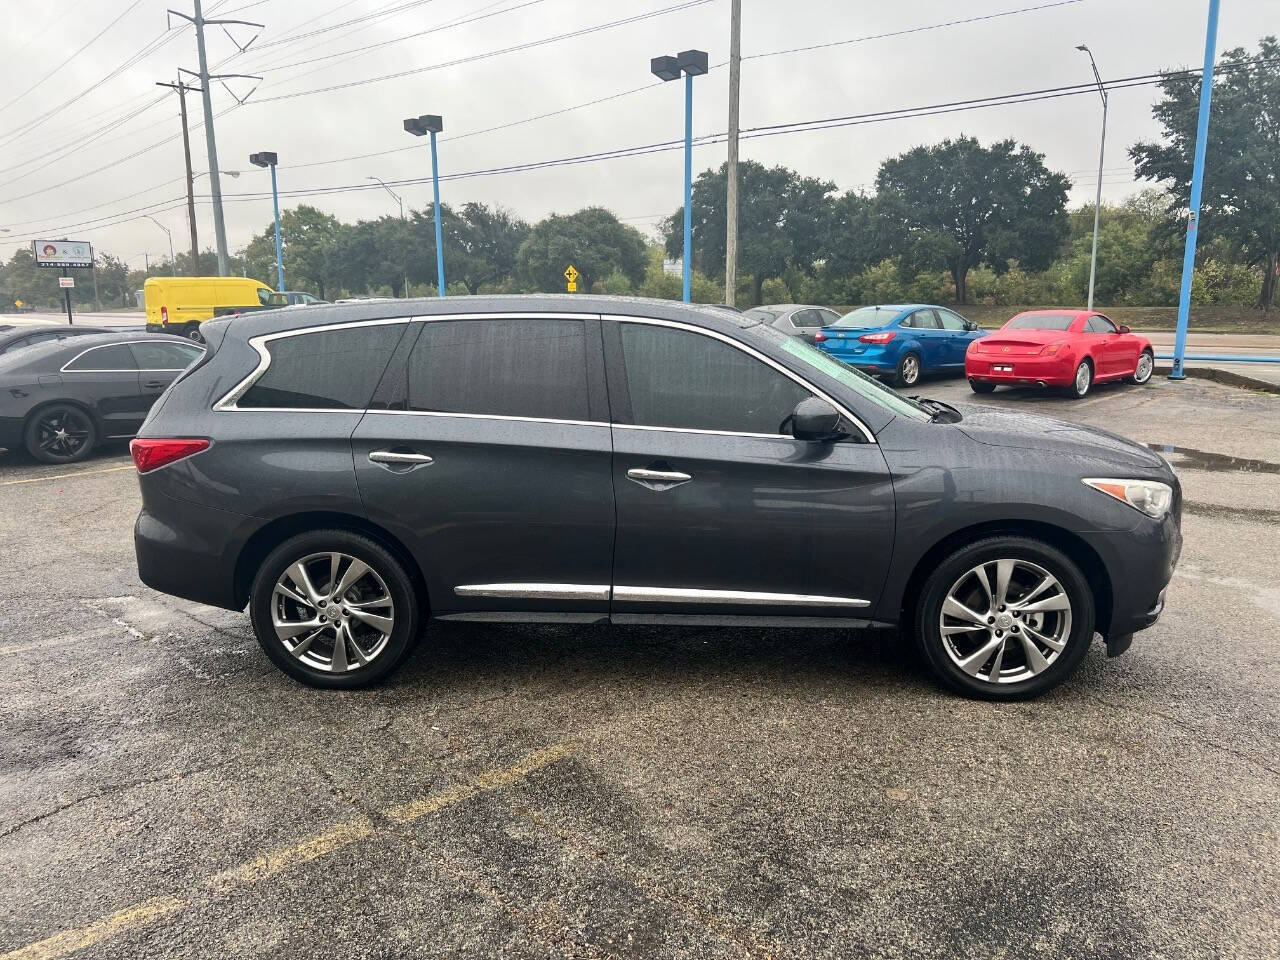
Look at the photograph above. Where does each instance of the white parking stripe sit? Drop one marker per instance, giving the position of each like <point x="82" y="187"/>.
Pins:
<point x="64" y="476"/>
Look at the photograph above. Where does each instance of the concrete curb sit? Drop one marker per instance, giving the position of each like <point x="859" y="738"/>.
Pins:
<point x="1226" y="377"/>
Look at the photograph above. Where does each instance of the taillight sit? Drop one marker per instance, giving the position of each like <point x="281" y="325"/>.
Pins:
<point x="819" y="337"/>
<point x="884" y="337"/>
<point x="151" y="454"/>
<point x="164" y="316"/>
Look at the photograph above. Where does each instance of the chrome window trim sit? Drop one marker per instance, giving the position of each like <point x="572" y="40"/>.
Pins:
<point x="750" y="351"/>
<point x="747" y="597"/>
<point x="258" y="343"/>
<point x="121" y="343"/>
<point x="535" y="591"/>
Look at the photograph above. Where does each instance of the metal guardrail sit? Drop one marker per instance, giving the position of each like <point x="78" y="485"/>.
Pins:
<point x="1221" y="358"/>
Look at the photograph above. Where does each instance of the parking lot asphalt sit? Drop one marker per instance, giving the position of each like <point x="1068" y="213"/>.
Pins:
<point x="533" y="791"/>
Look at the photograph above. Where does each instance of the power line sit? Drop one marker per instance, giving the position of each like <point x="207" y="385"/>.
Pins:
<point x="687" y="4"/>
<point x="77" y="53"/>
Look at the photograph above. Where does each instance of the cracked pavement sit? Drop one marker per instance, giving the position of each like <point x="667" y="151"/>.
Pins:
<point x="534" y="791"/>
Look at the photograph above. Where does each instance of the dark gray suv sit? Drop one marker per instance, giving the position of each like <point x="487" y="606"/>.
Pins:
<point x="350" y="471"/>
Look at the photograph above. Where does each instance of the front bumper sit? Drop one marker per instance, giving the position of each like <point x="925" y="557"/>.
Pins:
<point x="1024" y="371"/>
<point x="1141" y="570"/>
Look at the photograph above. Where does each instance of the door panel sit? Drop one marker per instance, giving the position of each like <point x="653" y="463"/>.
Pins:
<point x="933" y="340"/>
<point x="502" y="505"/>
<point x="761" y="515"/>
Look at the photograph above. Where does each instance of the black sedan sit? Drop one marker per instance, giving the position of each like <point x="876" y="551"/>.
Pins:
<point x="795" y="319"/>
<point x="62" y="397"/>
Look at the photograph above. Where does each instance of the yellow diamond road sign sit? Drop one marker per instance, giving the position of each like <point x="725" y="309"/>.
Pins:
<point x="571" y="273"/>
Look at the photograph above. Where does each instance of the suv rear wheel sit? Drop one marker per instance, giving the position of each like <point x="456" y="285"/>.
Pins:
<point x="332" y="608"/>
<point x="1005" y="618"/>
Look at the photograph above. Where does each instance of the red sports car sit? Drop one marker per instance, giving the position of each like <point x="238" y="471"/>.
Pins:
<point x="1058" y="348"/>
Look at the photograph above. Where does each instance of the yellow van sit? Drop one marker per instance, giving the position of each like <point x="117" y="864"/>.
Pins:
<point x="180" y="304"/>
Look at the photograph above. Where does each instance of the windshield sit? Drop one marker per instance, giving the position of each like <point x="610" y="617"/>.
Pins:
<point x="1041" y="321"/>
<point x="865" y="317"/>
<point x="865" y="386"/>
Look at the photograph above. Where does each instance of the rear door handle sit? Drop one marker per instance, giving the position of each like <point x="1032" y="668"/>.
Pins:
<point x="154" y="384"/>
<point x="396" y="457"/>
<point x="657" y="479"/>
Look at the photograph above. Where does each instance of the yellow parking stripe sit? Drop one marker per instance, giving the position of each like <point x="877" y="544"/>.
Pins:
<point x="64" y="476"/>
<point x="70" y="941"/>
<point x="269" y="864"/>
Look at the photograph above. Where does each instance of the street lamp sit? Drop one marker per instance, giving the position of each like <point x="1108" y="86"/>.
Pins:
<point x="418" y="126"/>
<point x="270" y="160"/>
<point x="173" y="263"/>
<point x="691" y="63"/>
<point x="396" y="197"/>
<point x="1102" y="149"/>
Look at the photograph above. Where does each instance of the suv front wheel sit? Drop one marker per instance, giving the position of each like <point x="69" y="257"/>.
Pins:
<point x="334" y="609"/>
<point x="1005" y="618"/>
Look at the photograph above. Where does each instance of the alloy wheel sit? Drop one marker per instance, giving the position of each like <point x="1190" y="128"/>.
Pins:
<point x="333" y="612"/>
<point x="1005" y="621"/>
<point x="63" y="433"/>
<point x="1145" y="365"/>
<point x="1084" y="376"/>
<point x="910" y="369"/>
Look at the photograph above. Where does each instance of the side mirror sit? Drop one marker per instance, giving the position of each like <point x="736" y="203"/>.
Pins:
<point x="816" y="421"/>
<point x="1124" y="328"/>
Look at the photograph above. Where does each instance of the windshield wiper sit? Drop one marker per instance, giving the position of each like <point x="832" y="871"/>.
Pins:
<point x="939" y="412"/>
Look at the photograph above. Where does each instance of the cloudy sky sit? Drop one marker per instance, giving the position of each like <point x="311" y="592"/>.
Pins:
<point x="88" y="143"/>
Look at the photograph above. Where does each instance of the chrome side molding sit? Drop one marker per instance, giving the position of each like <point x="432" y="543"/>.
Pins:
<point x="752" y="597"/>
<point x="535" y="591"/>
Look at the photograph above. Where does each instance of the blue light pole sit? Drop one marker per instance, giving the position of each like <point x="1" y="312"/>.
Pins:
<point x="418" y="126"/>
<point x="1197" y="183"/>
<point x="269" y="160"/>
<point x="691" y="63"/>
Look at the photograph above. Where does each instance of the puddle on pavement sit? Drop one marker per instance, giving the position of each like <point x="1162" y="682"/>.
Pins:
<point x="1190" y="459"/>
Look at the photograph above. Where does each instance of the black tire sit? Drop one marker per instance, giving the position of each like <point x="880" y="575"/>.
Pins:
<point x="908" y="372"/>
<point x="386" y="656"/>
<point x="981" y="386"/>
<point x="1142" y="372"/>
<point x="192" y="332"/>
<point x="953" y="571"/>
<point x="1080" y="383"/>
<point x="79" y="434"/>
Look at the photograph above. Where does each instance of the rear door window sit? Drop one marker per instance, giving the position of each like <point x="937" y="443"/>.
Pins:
<point x="684" y="380"/>
<point x="325" y="370"/>
<point x="116" y="356"/>
<point x="164" y="356"/>
<point x="508" y="367"/>
<point x="806" y="319"/>
<point x="925" y="320"/>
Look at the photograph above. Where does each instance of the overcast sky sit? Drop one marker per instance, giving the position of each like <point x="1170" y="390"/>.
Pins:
<point x="72" y="59"/>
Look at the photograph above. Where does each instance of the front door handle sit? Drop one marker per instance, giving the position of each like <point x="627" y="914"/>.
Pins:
<point x="658" y="479"/>
<point x="154" y="384"/>
<point x="398" y="458"/>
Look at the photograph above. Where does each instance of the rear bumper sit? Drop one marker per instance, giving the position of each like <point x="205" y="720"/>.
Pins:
<point x="869" y="358"/>
<point x="1022" y="371"/>
<point x="184" y="549"/>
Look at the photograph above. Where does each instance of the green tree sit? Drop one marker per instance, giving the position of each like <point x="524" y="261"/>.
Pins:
<point x="959" y="204"/>
<point x="481" y="245"/>
<point x="307" y="236"/>
<point x="782" y="219"/>
<point x="371" y="255"/>
<point x="593" y="240"/>
<point x="113" y="280"/>
<point x="1241" y="195"/>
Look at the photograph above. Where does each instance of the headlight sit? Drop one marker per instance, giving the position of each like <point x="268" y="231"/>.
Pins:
<point x="1150" y="496"/>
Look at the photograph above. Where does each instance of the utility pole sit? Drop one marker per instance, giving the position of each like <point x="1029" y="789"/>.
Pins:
<point x="731" y="197"/>
<point x="1102" y="152"/>
<point x="215" y="185"/>
<point x="182" y="89"/>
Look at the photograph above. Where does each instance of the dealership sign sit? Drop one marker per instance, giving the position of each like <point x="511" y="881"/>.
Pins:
<point x="62" y="253"/>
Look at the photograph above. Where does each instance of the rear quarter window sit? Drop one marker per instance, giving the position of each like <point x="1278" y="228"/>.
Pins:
<point x="324" y="370"/>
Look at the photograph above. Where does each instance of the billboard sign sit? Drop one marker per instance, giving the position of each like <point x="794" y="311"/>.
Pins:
<point x="62" y="253"/>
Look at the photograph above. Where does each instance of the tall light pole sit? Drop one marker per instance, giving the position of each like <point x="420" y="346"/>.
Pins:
<point x="396" y="197"/>
<point x="267" y="159"/>
<point x="1197" y="183"/>
<point x="691" y="63"/>
<point x="418" y="126"/>
<point x="173" y="265"/>
<point x="731" y="190"/>
<point x="1102" y="150"/>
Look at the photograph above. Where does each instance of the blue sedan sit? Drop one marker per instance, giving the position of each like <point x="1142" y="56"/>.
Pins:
<point x="900" y="340"/>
